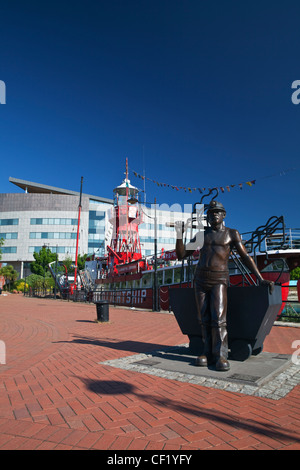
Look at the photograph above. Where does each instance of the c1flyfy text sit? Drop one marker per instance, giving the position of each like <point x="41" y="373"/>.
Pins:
<point x="155" y="459"/>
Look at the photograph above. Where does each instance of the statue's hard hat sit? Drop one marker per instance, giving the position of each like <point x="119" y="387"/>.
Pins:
<point x="215" y="206"/>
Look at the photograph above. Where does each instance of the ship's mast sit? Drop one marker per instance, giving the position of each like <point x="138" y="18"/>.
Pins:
<point x="127" y="221"/>
<point x="125" y="244"/>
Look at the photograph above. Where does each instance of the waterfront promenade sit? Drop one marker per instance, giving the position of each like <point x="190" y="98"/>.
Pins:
<point x="59" y="391"/>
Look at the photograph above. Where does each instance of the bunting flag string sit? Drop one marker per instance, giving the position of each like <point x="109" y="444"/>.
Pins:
<point x="189" y="189"/>
<point x="249" y="183"/>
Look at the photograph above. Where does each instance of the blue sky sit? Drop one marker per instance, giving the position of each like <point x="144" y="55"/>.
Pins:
<point x="194" y="93"/>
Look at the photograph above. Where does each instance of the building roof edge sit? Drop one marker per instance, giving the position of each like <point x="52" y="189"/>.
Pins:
<point x="31" y="187"/>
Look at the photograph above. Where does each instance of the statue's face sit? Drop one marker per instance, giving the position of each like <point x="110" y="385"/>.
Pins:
<point x="215" y="217"/>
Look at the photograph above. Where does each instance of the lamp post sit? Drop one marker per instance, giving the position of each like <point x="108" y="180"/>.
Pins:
<point x="44" y="266"/>
<point x="77" y="239"/>
<point x="25" y="271"/>
<point x="55" y="292"/>
<point x="155" y="303"/>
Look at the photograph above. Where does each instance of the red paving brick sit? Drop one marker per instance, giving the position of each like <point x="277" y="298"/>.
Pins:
<point x="56" y="394"/>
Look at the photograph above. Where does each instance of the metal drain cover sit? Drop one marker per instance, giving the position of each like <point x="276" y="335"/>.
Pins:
<point x="245" y="377"/>
<point x="147" y="362"/>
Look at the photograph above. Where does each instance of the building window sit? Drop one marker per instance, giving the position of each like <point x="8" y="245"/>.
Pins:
<point x="53" y="221"/>
<point x="9" y="249"/>
<point x="96" y="226"/>
<point x="146" y="240"/>
<point x="53" y="235"/>
<point x="9" y="221"/>
<point x="170" y="241"/>
<point x="96" y="244"/>
<point x="96" y="215"/>
<point x="96" y="221"/>
<point x="9" y="235"/>
<point x="55" y="249"/>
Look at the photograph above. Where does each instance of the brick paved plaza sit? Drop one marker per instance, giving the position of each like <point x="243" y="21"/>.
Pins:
<point x="56" y="393"/>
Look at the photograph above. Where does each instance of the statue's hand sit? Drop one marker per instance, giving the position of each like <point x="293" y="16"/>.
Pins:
<point x="269" y="283"/>
<point x="179" y="227"/>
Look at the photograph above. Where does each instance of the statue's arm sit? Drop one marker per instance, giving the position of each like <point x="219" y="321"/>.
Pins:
<point x="247" y="259"/>
<point x="182" y="250"/>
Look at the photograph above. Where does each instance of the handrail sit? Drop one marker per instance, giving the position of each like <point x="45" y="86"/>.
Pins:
<point x="243" y="270"/>
<point x="278" y="240"/>
<point x="259" y="235"/>
<point x="54" y="275"/>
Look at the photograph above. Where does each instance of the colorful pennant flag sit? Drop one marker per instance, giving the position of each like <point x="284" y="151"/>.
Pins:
<point x="249" y="183"/>
<point x="190" y="190"/>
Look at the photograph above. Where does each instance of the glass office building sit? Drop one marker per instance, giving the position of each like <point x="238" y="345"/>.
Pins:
<point x="44" y="215"/>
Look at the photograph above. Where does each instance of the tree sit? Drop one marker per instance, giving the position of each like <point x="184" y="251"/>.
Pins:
<point x="81" y="261"/>
<point x="9" y="274"/>
<point x="42" y="259"/>
<point x="69" y="264"/>
<point x="38" y="282"/>
<point x="295" y="274"/>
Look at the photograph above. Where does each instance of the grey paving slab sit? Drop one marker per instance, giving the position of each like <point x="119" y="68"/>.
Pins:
<point x="268" y="375"/>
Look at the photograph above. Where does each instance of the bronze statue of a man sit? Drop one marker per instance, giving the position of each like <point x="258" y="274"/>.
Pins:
<point x="211" y="282"/>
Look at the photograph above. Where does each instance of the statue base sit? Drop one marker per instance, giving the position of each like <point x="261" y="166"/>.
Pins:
<point x="269" y="375"/>
<point x="251" y="313"/>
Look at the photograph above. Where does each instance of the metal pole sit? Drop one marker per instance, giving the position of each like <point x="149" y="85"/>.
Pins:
<point x="155" y="261"/>
<point x="25" y="282"/>
<point x="55" y="274"/>
<point x="126" y="210"/>
<point x="78" y="225"/>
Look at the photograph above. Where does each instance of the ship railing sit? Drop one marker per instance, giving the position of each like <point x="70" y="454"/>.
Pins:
<point x="87" y="280"/>
<point x="256" y="241"/>
<point x="291" y="311"/>
<point x="279" y="239"/>
<point x="291" y="240"/>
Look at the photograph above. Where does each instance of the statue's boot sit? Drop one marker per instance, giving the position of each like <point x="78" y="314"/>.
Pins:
<point x="222" y="364"/>
<point x="201" y="361"/>
<point x="206" y="358"/>
<point x="220" y="347"/>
